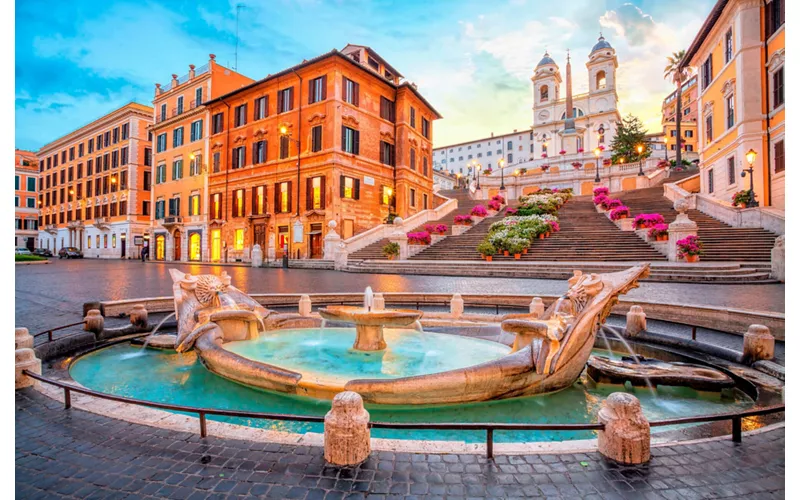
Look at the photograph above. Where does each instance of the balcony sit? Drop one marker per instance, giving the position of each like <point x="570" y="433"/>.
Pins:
<point x="172" y="221"/>
<point x="75" y="224"/>
<point x="101" y="222"/>
<point x="51" y="228"/>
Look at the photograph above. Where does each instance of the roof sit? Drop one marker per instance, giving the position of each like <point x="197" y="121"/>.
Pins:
<point x="376" y="56"/>
<point x="601" y="44"/>
<point x="708" y="25"/>
<point x="546" y="59"/>
<point x="332" y="53"/>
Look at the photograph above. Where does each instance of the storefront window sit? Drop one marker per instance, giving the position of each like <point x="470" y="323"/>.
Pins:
<point x="216" y="245"/>
<point x="113" y="241"/>
<point x="194" y="246"/>
<point x="160" y="247"/>
<point x="238" y="243"/>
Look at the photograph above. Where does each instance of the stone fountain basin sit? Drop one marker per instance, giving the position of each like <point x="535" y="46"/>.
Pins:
<point x="657" y="372"/>
<point x="362" y="316"/>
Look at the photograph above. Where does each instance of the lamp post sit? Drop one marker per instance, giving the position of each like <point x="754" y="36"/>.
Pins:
<point x="640" y="148"/>
<point x="597" y="169"/>
<point x="477" y="167"/>
<point x="751" y="158"/>
<point x="501" y="163"/>
<point x="666" y="142"/>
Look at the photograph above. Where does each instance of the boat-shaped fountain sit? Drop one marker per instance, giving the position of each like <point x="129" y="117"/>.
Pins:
<point x="383" y="360"/>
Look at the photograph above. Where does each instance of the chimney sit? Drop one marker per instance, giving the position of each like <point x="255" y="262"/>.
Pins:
<point x="492" y="134"/>
<point x="414" y="85"/>
<point x="174" y="81"/>
<point x="158" y="89"/>
<point x="191" y="71"/>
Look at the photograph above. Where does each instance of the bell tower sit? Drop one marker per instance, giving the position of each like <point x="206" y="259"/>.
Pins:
<point x="602" y="67"/>
<point x="546" y="81"/>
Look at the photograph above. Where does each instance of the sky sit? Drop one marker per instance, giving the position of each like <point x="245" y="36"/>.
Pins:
<point x="472" y="60"/>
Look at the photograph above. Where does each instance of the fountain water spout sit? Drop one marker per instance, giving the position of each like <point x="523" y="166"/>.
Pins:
<point x="369" y="299"/>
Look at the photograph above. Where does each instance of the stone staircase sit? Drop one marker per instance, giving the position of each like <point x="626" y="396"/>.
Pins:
<point x="721" y="242"/>
<point x="465" y="206"/>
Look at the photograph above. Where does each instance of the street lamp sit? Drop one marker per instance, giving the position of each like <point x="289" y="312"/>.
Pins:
<point x="751" y="158"/>
<point x="640" y="148"/>
<point x="501" y="163"/>
<point x="666" y="142"/>
<point x="597" y="170"/>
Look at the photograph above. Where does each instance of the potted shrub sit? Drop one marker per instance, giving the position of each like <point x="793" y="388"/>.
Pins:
<point x="611" y="204"/>
<point x="545" y="168"/>
<point x="620" y="212"/>
<point x="516" y="246"/>
<point x="646" y="221"/>
<point x="419" y="238"/>
<point x="562" y="152"/>
<point x="600" y="190"/>
<point x="576" y="165"/>
<point x="554" y="227"/>
<point x="462" y="220"/>
<point x="486" y="249"/>
<point x="494" y="205"/>
<point x="740" y="198"/>
<point x="499" y="198"/>
<point x="391" y="250"/>
<point x="430" y="228"/>
<point x="511" y="211"/>
<point x="441" y="228"/>
<point x="479" y="211"/>
<point x="659" y="232"/>
<point x="580" y="150"/>
<point x="544" y="155"/>
<point x="690" y="248"/>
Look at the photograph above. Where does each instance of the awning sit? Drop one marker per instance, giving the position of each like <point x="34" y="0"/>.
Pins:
<point x="314" y="232"/>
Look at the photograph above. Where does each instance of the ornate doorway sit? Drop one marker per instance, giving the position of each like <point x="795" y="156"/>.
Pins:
<point x="177" y="239"/>
<point x="194" y="246"/>
<point x="259" y="235"/>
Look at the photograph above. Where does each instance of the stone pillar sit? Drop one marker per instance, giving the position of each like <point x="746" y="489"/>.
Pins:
<point x="257" y="258"/>
<point x="636" y="321"/>
<point x="680" y="229"/>
<point x="138" y="316"/>
<point x="94" y="322"/>
<point x="536" y="307"/>
<point x="758" y="344"/>
<point x="626" y="437"/>
<point x="22" y="339"/>
<point x="340" y="257"/>
<point x="378" y="302"/>
<point x="330" y="242"/>
<point x="779" y="259"/>
<point x="347" y="436"/>
<point x="304" y="307"/>
<point x="401" y="239"/>
<point x="25" y="359"/>
<point x="456" y="306"/>
<point x="271" y="248"/>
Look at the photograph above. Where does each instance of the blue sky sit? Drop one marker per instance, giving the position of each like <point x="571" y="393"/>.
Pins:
<point x="473" y="60"/>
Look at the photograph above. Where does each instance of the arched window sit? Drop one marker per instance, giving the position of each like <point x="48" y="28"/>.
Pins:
<point x="600" y="80"/>
<point x="544" y="93"/>
<point x="510" y="146"/>
<point x="576" y="113"/>
<point x="194" y="246"/>
<point x="601" y="135"/>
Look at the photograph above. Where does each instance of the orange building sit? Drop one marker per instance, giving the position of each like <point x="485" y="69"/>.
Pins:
<point x="26" y="209"/>
<point x="336" y="138"/>
<point x="95" y="185"/>
<point x="180" y="131"/>
<point x="739" y="57"/>
<point x="688" y="117"/>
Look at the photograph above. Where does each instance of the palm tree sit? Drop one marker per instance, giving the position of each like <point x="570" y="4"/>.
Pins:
<point x="678" y="75"/>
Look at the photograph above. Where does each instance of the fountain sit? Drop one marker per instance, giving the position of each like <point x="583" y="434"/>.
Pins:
<point x="641" y="371"/>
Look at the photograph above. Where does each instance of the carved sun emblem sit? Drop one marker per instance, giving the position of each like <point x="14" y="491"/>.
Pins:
<point x="207" y="287"/>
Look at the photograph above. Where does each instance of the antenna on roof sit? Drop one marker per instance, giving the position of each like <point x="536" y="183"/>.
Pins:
<point x="239" y="6"/>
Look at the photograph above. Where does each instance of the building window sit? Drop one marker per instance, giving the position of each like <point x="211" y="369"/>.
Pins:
<point x="689" y="147"/>
<point x="412" y="197"/>
<point x="544" y="93"/>
<point x="387" y="109"/>
<point x="240" y="115"/>
<point x="425" y="166"/>
<point x="777" y="88"/>
<point x="179" y="109"/>
<point x="709" y="129"/>
<point x="776" y="16"/>
<point x="509" y="146"/>
<point x="315" y="193"/>
<point x="161" y="143"/>
<point x="31" y="181"/>
<point x="159" y="210"/>
<point x="237" y="210"/>
<point x="728" y="45"/>
<point x="259" y="200"/>
<point x="413" y="159"/>
<point x="672" y="133"/>
<point x="350" y="140"/>
<point x="195" y="165"/>
<point x="260" y="108"/>
<point x="711" y="181"/>
<point x="387" y="153"/>
<point x="707" y="72"/>
<point x="217" y="123"/>
<point x="285" y="100"/>
<point x="238" y="159"/>
<point x="161" y="173"/>
<point x="259" y="152"/>
<point x="177" y="137"/>
<point x="123" y="156"/>
<point x="89" y="149"/>
<point x="145" y="181"/>
<point x="349" y="188"/>
<point x="284" y="147"/>
<point x="780" y="159"/>
<point x="350" y="91"/>
<point x="215" y="162"/>
<point x="283" y="197"/>
<point x="413" y="117"/>
<point x="316" y="139"/>
<point x="426" y="129"/>
<point x="317" y="89"/>
<point x="731" y="170"/>
<point x="216" y="206"/>
<point x="238" y="241"/>
<point x="688" y="133"/>
<point x="198" y="96"/>
<point x="148" y="157"/>
<point x="177" y="169"/>
<point x="386" y="195"/>
<point x="424" y="201"/>
<point x="510" y="158"/>
<point x="196" y="130"/>
<point x="730" y="118"/>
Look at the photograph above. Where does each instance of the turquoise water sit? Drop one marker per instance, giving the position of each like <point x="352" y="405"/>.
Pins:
<point x="181" y="379"/>
<point x="326" y="354"/>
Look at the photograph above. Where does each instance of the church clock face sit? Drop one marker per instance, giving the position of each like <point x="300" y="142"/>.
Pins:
<point x="544" y="116"/>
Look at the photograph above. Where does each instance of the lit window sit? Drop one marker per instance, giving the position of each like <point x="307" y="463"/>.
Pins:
<point x="284" y="196"/>
<point x="316" y="192"/>
<point x="348" y="187"/>
<point x="238" y="243"/>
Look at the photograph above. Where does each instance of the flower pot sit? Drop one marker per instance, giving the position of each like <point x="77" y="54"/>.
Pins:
<point x="692" y="258"/>
<point x="516" y="256"/>
<point x="742" y="205"/>
<point x="547" y="234"/>
<point x="541" y="236"/>
<point x="525" y="251"/>
<point x="662" y="237"/>
<point x="505" y="253"/>
<point x="488" y="258"/>
<point x="390" y="257"/>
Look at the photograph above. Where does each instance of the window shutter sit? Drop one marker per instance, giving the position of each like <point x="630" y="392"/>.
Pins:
<point x="234" y="205"/>
<point x="344" y="138"/>
<point x="177" y="206"/>
<point x="255" y="153"/>
<point x="289" y="192"/>
<point x="280" y="101"/>
<point x="311" y="91"/>
<point x="341" y="186"/>
<point x="355" y="141"/>
<point x="355" y="92"/>
<point x="291" y="98"/>
<point x="324" y="87"/>
<point x="356" y="189"/>
<point x="322" y="190"/>
<point x="382" y="155"/>
<point x="253" y="198"/>
<point x="391" y="150"/>
<point x="309" y="194"/>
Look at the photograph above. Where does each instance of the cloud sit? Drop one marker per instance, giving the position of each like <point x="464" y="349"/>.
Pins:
<point x="629" y="22"/>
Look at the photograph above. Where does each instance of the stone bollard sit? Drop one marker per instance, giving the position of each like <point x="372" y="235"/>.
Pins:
<point x="138" y="316"/>
<point x="378" y="302"/>
<point x="536" y="307"/>
<point x="636" y="321"/>
<point x="680" y="229"/>
<point x="304" y="308"/>
<point x="25" y="359"/>
<point x="340" y="257"/>
<point x="758" y="344"/>
<point x="347" y="430"/>
<point x="778" y="254"/>
<point x="626" y="437"/>
<point x="256" y="256"/>
<point x="22" y="338"/>
<point x="94" y="322"/>
<point x="456" y="306"/>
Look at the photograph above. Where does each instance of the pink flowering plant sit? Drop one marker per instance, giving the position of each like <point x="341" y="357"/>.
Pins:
<point x="464" y="220"/>
<point x="436" y="228"/>
<point x="494" y="205"/>
<point x="479" y="211"/>
<point x="511" y="211"/>
<point x="419" y="238"/>
<point x="691" y="245"/>
<point x="562" y="152"/>
<point x="554" y="227"/>
<point x="600" y="190"/>
<point x="658" y="230"/>
<point x="544" y="155"/>
<point x="576" y="164"/>
<point x="499" y="198"/>
<point x="545" y="168"/>
<point x="601" y="200"/>
<point x="621" y="212"/>
<point x="580" y="150"/>
<point x="648" y="220"/>
<point x="616" y="202"/>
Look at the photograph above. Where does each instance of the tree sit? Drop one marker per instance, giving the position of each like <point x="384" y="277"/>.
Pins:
<point x="630" y="135"/>
<point x="678" y="75"/>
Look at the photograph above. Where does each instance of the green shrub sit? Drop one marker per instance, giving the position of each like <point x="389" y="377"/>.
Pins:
<point x="391" y="248"/>
<point x="27" y="258"/>
<point x="486" y="249"/>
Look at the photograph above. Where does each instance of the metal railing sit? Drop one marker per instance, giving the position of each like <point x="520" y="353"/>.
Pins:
<point x="49" y="332"/>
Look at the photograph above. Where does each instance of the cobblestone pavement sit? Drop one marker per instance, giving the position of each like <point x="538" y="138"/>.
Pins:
<point x="74" y="454"/>
<point x="54" y="294"/>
